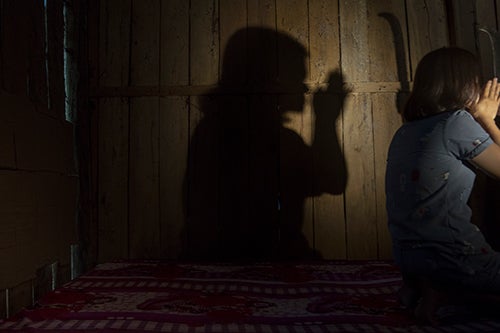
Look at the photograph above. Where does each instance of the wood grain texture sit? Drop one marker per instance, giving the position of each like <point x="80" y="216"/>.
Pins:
<point x="386" y="120"/>
<point x="427" y="28"/>
<point x="114" y="42"/>
<point x="360" y="199"/>
<point x="388" y="62"/>
<point x="262" y="13"/>
<point x="296" y="213"/>
<point x="387" y="41"/>
<point x="3" y="303"/>
<point x="233" y="23"/>
<point x="464" y="24"/>
<point x="237" y="230"/>
<point x="113" y="179"/>
<point x="328" y="160"/>
<point x="113" y="131"/>
<point x="204" y="39"/>
<point x="324" y="39"/>
<point x="174" y="127"/>
<point x="202" y="179"/>
<point x="37" y="77"/>
<point x="196" y="80"/>
<point x="174" y="139"/>
<point x="144" y="206"/>
<point x="264" y="125"/>
<point x="144" y="226"/>
<point x="485" y="18"/>
<point x="174" y="56"/>
<point x="360" y="191"/>
<point x="55" y="64"/>
<point x="20" y="296"/>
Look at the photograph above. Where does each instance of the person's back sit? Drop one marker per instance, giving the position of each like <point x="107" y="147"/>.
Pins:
<point x="449" y="133"/>
<point x="429" y="180"/>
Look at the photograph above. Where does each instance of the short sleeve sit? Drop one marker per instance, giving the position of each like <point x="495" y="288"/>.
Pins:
<point x="464" y="137"/>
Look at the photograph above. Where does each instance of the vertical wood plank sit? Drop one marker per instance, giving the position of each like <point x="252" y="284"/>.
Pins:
<point x="263" y="124"/>
<point x="238" y="233"/>
<point x="37" y="66"/>
<point x="263" y="167"/>
<point x="91" y="200"/>
<point x="427" y="28"/>
<point x="233" y="19"/>
<point x="204" y="57"/>
<point x="497" y="6"/>
<point x="262" y="13"/>
<point x="55" y="54"/>
<point x="114" y="42"/>
<point x="329" y="219"/>
<point x="174" y="135"/>
<point x="386" y="121"/>
<point x="203" y="176"/>
<point x="202" y="180"/>
<point x="93" y="35"/>
<point x="174" y="57"/>
<point x="324" y="39"/>
<point x="7" y="141"/>
<point x="292" y="20"/>
<point x="387" y="41"/>
<point x="263" y="35"/>
<point x="20" y="296"/>
<point x="360" y="201"/>
<point x="2" y="87"/>
<point x="144" y="227"/>
<point x="113" y="179"/>
<point x="360" y="193"/>
<point x="464" y="24"/>
<point x="296" y="134"/>
<point x="485" y="18"/>
<point x="113" y="132"/>
<point x="65" y="216"/>
<point x="15" y="47"/>
<point x="174" y="125"/>
<point x="388" y="62"/>
<point x="3" y="303"/>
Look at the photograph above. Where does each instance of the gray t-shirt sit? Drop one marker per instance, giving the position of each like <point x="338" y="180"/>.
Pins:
<point x="429" y="180"/>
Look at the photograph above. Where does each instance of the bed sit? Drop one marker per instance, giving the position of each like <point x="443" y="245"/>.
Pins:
<point x="155" y="296"/>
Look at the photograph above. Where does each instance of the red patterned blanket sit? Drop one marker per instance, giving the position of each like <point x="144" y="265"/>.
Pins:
<point x="327" y="296"/>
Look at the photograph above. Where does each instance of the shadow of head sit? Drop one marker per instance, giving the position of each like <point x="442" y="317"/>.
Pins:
<point x="265" y="61"/>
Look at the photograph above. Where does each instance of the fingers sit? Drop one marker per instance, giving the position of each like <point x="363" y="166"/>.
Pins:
<point x="492" y="89"/>
<point x="487" y="89"/>
<point x="496" y="92"/>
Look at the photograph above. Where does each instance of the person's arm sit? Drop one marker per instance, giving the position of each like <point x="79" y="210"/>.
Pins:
<point x="485" y="111"/>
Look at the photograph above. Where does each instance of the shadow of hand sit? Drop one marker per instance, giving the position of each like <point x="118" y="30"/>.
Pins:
<point x="327" y="101"/>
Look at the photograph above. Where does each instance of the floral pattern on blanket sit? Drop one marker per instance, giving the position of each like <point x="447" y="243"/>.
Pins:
<point x="340" y="296"/>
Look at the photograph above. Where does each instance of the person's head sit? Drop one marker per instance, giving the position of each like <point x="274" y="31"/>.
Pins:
<point x="446" y="79"/>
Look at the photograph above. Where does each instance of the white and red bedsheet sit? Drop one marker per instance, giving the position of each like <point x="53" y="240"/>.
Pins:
<point x="153" y="296"/>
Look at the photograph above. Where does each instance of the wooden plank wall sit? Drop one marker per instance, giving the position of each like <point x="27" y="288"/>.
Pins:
<point x="196" y="155"/>
<point x="38" y="181"/>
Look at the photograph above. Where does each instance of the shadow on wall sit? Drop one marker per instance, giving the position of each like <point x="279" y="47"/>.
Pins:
<point x="402" y="70"/>
<point x="248" y="175"/>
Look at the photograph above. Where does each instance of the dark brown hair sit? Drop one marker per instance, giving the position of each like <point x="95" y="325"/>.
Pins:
<point x="446" y="79"/>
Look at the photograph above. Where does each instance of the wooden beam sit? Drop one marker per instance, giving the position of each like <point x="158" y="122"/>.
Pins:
<point x="200" y="90"/>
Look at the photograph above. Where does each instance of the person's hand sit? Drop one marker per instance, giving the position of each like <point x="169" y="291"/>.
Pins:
<point x="485" y="108"/>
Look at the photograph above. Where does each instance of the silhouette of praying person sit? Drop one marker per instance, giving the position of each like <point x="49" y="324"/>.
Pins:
<point x="248" y="175"/>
